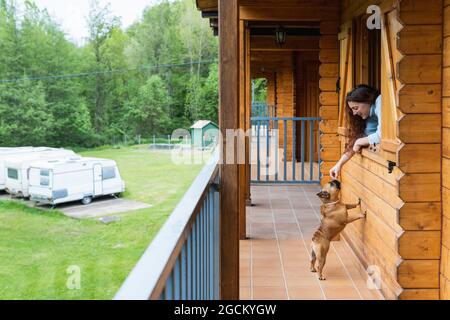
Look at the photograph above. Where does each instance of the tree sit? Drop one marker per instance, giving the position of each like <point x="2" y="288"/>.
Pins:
<point x="24" y="117"/>
<point x="152" y="78"/>
<point x="101" y="26"/>
<point x="209" y="95"/>
<point x="149" y="109"/>
<point x="10" y="51"/>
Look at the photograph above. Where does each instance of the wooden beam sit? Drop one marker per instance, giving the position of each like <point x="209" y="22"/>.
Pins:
<point x="289" y="13"/>
<point x="248" y="103"/>
<point x="229" y="173"/>
<point x="419" y="274"/>
<point x="207" y="5"/>
<point x="292" y="44"/>
<point x="242" y="124"/>
<point x="419" y="294"/>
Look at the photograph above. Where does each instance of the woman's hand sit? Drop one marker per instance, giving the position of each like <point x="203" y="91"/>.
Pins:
<point x="334" y="172"/>
<point x="357" y="147"/>
<point x="360" y="144"/>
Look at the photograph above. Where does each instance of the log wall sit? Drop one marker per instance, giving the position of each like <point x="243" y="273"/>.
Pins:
<point x="401" y="236"/>
<point x="445" y="258"/>
<point x="329" y="73"/>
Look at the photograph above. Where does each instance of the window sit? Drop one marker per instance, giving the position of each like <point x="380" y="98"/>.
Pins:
<point x="367" y="54"/>
<point x="13" y="174"/>
<point x="45" y="182"/>
<point x="108" y="173"/>
<point x="45" y="172"/>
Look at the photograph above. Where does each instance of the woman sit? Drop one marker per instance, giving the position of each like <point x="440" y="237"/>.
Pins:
<point x="363" y="106"/>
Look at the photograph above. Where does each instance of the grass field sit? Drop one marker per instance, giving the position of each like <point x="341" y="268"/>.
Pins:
<point x="40" y="251"/>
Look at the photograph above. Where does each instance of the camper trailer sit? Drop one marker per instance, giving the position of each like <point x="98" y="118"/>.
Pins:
<point x="59" y="181"/>
<point x="17" y="167"/>
<point x="9" y="152"/>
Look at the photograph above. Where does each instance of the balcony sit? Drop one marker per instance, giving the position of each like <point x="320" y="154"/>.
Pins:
<point x="274" y="261"/>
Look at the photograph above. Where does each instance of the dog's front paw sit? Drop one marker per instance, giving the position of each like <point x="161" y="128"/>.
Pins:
<point x="322" y="278"/>
<point x="313" y="270"/>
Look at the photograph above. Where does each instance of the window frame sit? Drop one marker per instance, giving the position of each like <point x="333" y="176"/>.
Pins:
<point x="107" y="175"/>
<point x="16" y="175"/>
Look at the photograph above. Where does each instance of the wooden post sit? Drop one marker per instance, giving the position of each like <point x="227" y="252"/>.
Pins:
<point x="229" y="119"/>
<point x="242" y="124"/>
<point x="248" y="106"/>
<point x="445" y="249"/>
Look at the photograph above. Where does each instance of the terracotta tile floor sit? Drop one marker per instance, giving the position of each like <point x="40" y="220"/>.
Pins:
<point x="274" y="262"/>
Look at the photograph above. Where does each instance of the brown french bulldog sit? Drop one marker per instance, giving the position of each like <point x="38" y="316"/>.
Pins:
<point x="334" y="219"/>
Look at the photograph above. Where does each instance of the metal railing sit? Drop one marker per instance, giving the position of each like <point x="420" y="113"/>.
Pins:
<point x="182" y="262"/>
<point x="267" y="151"/>
<point x="261" y="109"/>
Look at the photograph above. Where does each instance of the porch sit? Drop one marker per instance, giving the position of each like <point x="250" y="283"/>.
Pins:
<point x="398" y="182"/>
<point x="274" y="261"/>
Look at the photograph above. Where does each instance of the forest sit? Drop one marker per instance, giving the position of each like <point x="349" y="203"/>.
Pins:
<point x="149" y="79"/>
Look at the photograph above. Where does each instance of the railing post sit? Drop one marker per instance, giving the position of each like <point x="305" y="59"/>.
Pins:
<point x="217" y="240"/>
<point x="177" y="280"/>
<point x="211" y="243"/>
<point x="294" y="160"/>
<point x="303" y="150"/>
<point x="189" y="268"/>
<point x="285" y="150"/>
<point x="184" y="272"/>
<point x="276" y="143"/>
<point x="311" y="150"/>
<point x="267" y="150"/>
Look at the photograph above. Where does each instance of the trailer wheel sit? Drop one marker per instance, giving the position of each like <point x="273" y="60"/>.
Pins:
<point x="86" y="200"/>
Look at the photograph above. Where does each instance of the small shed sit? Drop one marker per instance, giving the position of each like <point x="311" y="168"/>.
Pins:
<point x="204" y="134"/>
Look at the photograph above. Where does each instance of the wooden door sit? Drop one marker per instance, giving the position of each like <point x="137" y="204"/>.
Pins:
<point x="98" y="180"/>
<point x="307" y="101"/>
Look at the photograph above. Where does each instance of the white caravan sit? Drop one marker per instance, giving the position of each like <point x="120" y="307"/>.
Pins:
<point x="17" y="169"/>
<point x="8" y="152"/>
<point x="61" y="181"/>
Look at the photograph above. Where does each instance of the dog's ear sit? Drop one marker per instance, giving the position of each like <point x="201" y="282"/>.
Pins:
<point x="336" y="184"/>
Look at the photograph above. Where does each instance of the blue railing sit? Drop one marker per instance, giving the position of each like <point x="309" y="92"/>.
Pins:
<point x="266" y="136"/>
<point x="261" y="109"/>
<point x="182" y="262"/>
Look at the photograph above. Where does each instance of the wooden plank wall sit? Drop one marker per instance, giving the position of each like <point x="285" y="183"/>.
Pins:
<point x="401" y="235"/>
<point x="375" y="239"/>
<point x="445" y="259"/>
<point x="420" y="75"/>
<point x="329" y="73"/>
<point x="307" y="98"/>
<point x="286" y="99"/>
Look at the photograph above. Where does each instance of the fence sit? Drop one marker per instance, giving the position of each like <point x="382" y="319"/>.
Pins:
<point x="303" y="136"/>
<point x="182" y="262"/>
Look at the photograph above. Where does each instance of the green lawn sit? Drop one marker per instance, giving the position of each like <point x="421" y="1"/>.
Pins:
<point x="38" y="247"/>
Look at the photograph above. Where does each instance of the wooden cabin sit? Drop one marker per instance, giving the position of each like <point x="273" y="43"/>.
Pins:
<point x="404" y="183"/>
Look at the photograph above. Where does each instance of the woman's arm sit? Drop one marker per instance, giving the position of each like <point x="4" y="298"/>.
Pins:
<point x="334" y="172"/>
<point x="360" y="144"/>
<point x="375" y="138"/>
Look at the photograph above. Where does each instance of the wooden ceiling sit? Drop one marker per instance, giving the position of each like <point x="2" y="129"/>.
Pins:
<point x="207" y="5"/>
<point x="212" y="5"/>
<point x="291" y="14"/>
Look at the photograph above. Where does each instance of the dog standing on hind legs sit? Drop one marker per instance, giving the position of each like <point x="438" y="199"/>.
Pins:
<point x="335" y="217"/>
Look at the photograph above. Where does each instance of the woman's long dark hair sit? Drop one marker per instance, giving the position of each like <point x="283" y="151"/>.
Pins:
<point x="355" y="124"/>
